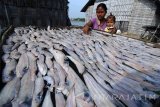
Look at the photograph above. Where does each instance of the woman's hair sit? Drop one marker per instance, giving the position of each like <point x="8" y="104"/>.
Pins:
<point x="103" y="6"/>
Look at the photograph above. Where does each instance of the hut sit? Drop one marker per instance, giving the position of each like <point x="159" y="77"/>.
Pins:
<point x="131" y="15"/>
<point x="34" y="12"/>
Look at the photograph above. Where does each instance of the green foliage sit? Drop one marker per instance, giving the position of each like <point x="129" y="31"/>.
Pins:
<point x="79" y="19"/>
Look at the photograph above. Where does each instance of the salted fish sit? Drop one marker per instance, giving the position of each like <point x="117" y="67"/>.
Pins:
<point x="100" y="96"/>
<point x="47" y="100"/>
<point x="22" y="65"/>
<point x="10" y="91"/>
<point x="38" y="91"/>
<point x="60" y="101"/>
<point x="8" y="71"/>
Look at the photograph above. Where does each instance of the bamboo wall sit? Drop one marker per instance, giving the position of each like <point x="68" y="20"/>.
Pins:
<point x="143" y="13"/>
<point x="88" y="14"/>
<point x="34" y="12"/>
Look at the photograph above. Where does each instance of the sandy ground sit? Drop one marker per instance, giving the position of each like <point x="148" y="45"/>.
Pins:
<point x="134" y="36"/>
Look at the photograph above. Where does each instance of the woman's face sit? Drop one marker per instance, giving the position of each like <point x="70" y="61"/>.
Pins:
<point x="100" y="13"/>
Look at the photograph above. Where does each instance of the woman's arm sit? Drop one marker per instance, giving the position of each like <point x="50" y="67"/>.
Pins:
<point x="87" y="27"/>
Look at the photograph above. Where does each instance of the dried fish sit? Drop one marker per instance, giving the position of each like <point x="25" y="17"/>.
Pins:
<point x="60" y="101"/>
<point x="62" y="75"/>
<point x="71" y="100"/>
<point x="82" y="103"/>
<point x="8" y="73"/>
<point x="15" y="54"/>
<point x="88" y="71"/>
<point x="7" y="48"/>
<point x="50" y="82"/>
<point x="78" y="65"/>
<point x="22" y="65"/>
<point x="26" y="89"/>
<point x="100" y="96"/>
<point x="42" y="67"/>
<point x="58" y="55"/>
<point x="38" y="91"/>
<point x="47" y="100"/>
<point x="6" y="58"/>
<point x="10" y="91"/>
<point x="32" y="65"/>
<point x="49" y="62"/>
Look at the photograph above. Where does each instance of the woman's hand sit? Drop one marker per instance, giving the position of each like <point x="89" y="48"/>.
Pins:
<point x="86" y="29"/>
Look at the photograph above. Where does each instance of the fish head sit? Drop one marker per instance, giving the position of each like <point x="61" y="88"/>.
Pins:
<point x="49" y="80"/>
<point x="39" y="97"/>
<point x="6" y="78"/>
<point x="66" y="59"/>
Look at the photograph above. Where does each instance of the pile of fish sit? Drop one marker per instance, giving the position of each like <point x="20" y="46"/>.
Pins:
<point x="66" y="68"/>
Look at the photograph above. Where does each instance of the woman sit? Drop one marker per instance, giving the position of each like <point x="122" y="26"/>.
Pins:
<point x="98" y="23"/>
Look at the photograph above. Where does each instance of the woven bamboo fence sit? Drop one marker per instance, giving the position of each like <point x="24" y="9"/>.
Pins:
<point x="34" y="12"/>
<point x="143" y="13"/>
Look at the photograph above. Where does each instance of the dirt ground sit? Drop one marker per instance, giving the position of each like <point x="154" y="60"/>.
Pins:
<point x="134" y="36"/>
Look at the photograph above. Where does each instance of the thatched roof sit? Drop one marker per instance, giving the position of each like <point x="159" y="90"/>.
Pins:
<point x="89" y="3"/>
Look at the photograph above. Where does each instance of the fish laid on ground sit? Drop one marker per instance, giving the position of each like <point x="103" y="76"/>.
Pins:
<point x="60" y="101"/>
<point x="49" y="62"/>
<point x="32" y="65"/>
<point x="50" y="82"/>
<point x="71" y="100"/>
<point x="58" y="55"/>
<point x="10" y="91"/>
<point x="79" y="66"/>
<point x="26" y="89"/>
<point x="54" y="74"/>
<point x="100" y="96"/>
<point x="6" y="58"/>
<point x="7" y="73"/>
<point x="106" y="69"/>
<point x="42" y="67"/>
<point x="22" y="66"/>
<point x="38" y="91"/>
<point x="47" y="100"/>
<point x="62" y="75"/>
<point x="7" y="48"/>
<point x="15" y="54"/>
<point x="82" y="103"/>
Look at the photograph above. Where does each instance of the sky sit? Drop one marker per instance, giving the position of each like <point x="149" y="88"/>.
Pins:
<point x="75" y="7"/>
